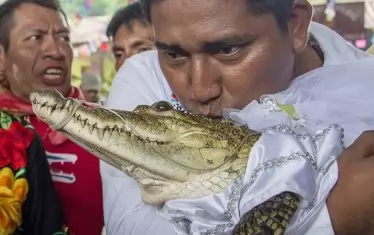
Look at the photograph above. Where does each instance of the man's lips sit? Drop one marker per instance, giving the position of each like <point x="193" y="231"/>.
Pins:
<point x="54" y="76"/>
<point x="211" y="110"/>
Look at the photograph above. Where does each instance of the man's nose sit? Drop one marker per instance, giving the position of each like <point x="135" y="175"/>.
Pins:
<point x="204" y="79"/>
<point x="52" y="48"/>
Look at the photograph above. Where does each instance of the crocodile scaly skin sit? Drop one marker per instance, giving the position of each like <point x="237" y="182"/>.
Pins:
<point x="269" y="218"/>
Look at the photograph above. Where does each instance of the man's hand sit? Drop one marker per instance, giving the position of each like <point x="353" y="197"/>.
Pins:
<point x="351" y="202"/>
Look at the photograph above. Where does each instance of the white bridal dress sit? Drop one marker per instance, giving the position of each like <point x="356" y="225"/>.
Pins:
<point x="305" y="129"/>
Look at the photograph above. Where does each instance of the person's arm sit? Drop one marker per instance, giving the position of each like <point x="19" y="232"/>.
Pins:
<point x="42" y="211"/>
<point x="351" y="204"/>
<point x="124" y="210"/>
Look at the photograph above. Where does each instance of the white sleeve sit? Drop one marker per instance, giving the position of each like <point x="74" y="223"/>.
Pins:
<point x="133" y="85"/>
<point x="124" y="210"/>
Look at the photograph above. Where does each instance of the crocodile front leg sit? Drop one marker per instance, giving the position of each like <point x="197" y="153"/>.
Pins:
<point x="269" y="218"/>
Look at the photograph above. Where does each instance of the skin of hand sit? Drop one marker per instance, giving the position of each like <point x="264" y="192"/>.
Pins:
<point x="351" y="202"/>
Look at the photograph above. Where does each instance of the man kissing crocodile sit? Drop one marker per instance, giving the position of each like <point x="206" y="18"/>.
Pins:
<point x="176" y="156"/>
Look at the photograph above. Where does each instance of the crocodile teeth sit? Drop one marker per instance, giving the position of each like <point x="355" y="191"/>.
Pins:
<point x="100" y="133"/>
<point x="49" y="110"/>
<point x="91" y="128"/>
<point x="83" y="123"/>
<point x="117" y="129"/>
<point x="59" y="107"/>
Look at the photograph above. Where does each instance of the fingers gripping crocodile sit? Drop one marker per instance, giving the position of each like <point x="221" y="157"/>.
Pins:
<point x="170" y="154"/>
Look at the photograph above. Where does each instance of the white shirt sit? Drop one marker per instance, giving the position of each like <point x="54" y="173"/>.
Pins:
<point x="140" y="81"/>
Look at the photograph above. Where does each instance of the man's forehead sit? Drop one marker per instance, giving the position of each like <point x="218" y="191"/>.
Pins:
<point x="199" y="9"/>
<point x="137" y="25"/>
<point x="138" y="31"/>
<point x="210" y="18"/>
<point x="31" y="15"/>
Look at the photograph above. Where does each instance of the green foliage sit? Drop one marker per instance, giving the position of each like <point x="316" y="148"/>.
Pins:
<point x="5" y="121"/>
<point x="108" y="79"/>
<point x="98" y="7"/>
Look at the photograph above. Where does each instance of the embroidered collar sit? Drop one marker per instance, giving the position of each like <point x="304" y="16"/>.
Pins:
<point x="177" y="105"/>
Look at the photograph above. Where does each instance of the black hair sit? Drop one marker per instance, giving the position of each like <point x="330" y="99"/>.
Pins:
<point x="125" y="16"/>
<point x="281" y="9"/>
<point x="7" y="10"/>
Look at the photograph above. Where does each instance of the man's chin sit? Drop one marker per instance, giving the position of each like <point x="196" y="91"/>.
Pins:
<point x="64" y="89"/>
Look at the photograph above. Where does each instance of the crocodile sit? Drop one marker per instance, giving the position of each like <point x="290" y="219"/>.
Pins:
<point x="169" y="153"/>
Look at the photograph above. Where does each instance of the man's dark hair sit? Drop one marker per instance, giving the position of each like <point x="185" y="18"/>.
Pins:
<point x="7" y="10"/>
<point x="281" y="9"/>
<point x="125" y="16"/>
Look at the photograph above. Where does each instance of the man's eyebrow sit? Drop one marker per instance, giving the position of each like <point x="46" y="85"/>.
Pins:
<point x="33" y="29"/>
<point x="28" y="28"/>
<point x="138" y="43"/>
<point x="227" y="42"/>
<point x="209" y="47"/>
<point x="62" y="30"/>
<point x="117" y="48"/>
<point x="162" y="46"/>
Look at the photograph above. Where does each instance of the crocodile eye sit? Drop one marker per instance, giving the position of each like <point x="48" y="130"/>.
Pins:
<point x="162" y="106"/>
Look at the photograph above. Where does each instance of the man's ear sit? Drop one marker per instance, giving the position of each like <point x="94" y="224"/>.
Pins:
<point x="298" y="25"/>
<point x="3" y="78"/>
<point x="2" y="57"/>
